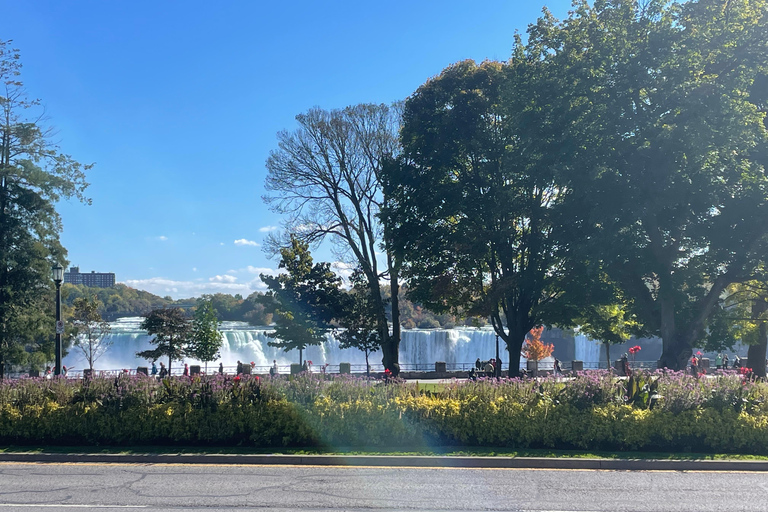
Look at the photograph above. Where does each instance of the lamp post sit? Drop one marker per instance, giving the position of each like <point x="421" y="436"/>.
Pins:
<point x="58" y="277"/>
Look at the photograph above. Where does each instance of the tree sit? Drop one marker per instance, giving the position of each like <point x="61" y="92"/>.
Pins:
<point x="742" y="316"/>
<point x="326" y="177"/>
<point x="92" y="332"/>
<point x="172" y="332"/>
<point x="668" y="186"/>
<point x="473" y="196"/>
<point x="534" y="349"/>
<point x="34" y="175"/>
<point x="359" y="321"/>
<point x="304" y="299"/>
<point x="206" y="339"/>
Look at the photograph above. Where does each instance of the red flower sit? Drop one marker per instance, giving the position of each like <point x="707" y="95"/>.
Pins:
<point x="237" y="379"/>
<point x="387" y="372"/>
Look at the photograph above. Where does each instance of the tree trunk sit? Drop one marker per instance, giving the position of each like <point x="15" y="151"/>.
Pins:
<point x="394" y="342"/>
<point x="756" y="354"/>
<point x="514" y="342"/>
<point x="607" y="355"/>
<point x="301" y="357"/>
<point x="367" y="366"/>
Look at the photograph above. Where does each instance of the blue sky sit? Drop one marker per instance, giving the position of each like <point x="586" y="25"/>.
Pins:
<point x="178" y="104"/>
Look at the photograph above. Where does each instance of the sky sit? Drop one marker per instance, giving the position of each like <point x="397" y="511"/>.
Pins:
<point x="178" y="103"/>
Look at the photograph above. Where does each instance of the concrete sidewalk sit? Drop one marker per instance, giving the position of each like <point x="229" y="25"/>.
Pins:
<point x="395" y="461"/>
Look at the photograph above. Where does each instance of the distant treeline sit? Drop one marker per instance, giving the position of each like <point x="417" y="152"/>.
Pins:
<point x="122" y="301"/>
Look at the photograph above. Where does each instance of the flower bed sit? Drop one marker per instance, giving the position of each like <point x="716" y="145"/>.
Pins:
<point x="593" y="411"/>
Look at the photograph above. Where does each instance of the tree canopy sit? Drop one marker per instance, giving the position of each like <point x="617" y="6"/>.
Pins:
<point x="34" y="175"/>
<point x="326" y="178"/>
<point x="172" y="332"/>
<point x="668" y="188"/>
<point x="304" y="299"/>
<point x="206" y="339"/>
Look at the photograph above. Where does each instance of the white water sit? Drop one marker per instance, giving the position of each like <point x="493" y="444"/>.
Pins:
<point x="586" y="349"/>
<point x="247" y="343"/>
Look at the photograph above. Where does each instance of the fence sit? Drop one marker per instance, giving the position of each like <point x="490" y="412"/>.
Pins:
<point x="356" y="368"/>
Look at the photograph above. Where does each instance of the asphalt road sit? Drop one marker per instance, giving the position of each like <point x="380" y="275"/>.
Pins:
<point x="122" y="487"/>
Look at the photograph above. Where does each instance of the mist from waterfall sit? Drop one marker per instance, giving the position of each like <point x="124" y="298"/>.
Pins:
<point x="246" y="343"/>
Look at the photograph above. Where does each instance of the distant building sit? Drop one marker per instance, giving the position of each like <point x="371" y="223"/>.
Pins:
<point x="95" y="279"/>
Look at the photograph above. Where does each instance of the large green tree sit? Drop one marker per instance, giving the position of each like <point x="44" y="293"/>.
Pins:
<point x="34" y="175"/>
<point x="326" y="178"/>
<point x="666" y="181"/>
<point x="305" y="299"/>
<point x="172" y="332"/>
<point x="473" y="196"/>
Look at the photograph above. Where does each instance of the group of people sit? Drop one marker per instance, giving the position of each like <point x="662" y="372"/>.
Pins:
<point x="721" y="362"/>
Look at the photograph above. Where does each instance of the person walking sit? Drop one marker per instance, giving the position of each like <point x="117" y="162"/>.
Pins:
<point x="695" y="366"/>
<point x="154" y="369"/>
<point x="186" y="370"/>
<point x="274" y="371"/>
<point x="719" y="361"/>
<point x="163" y="370"/>
<point x="221" y="368"/>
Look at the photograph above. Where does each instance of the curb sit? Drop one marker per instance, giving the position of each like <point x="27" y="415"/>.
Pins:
<point x="394" y="461"/>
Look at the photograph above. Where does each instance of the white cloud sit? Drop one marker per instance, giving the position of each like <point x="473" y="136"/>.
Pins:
<point x="223" y="279"/>
<point x="259" y="270"/>
<point x="344" y="271"/>
<point x="161" y="238"/>
<point x="194" y="269"/>
<point x="243" y="241"/>
<point x="221" y="243"/>
<point x="183" y="289"/>
<point x="267" y="229"/>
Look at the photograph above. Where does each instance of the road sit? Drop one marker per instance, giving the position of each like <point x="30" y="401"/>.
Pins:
<point x="122" y="487"/>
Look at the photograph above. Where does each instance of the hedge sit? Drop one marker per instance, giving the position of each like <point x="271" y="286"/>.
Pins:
<point x="594" y="411"/>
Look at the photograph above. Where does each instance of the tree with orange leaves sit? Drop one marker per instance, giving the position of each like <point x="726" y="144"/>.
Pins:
<point x="533" y="348"/>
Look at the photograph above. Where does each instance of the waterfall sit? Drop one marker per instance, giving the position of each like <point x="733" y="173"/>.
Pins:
<point x="419" y="348"/>
<point x="586" y="349"/>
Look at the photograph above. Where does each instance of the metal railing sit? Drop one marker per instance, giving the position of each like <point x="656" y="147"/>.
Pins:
<point x="285" y="369"/>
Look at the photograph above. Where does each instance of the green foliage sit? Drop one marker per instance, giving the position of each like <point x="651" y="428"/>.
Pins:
<point x="305" y="299"/>
<point x="34" y="175"/>
<point x="474" y="194"/>
<point x="592" y="412"/>
<point x="642" y="390"/>
<point x="359" y="320"/>
<point x="172" y="332"/>
<point x="668" y="151"/>
<point x="206" y="339"/>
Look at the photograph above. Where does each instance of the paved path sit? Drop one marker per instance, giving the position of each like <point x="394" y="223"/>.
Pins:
<point x="120" y="487"/>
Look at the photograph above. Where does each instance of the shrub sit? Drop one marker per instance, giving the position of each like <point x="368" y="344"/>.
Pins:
<point x="592" y="411"/>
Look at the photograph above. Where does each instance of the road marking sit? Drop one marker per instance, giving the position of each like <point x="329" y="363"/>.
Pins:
<point x="68" y="505"/>
<point x="334" y="466"/>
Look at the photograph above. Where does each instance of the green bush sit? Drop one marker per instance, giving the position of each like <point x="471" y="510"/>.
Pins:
<point x="591" y="412"/>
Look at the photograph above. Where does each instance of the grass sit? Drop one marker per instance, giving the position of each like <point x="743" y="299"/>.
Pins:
<point x="447" y="451"/>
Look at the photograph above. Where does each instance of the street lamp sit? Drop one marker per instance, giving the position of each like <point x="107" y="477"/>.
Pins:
<point x="58" y="277"/>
